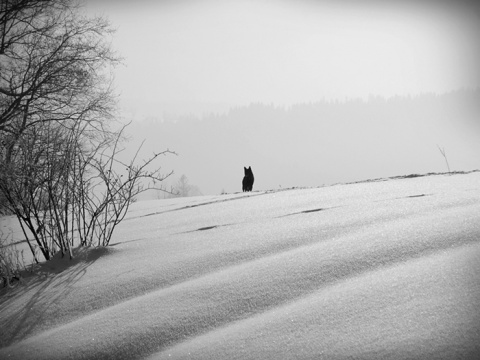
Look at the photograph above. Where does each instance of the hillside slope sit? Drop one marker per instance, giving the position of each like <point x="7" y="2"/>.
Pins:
<point x="374" y="270"/>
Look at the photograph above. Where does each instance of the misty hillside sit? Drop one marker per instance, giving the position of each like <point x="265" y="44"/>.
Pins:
<point x="384" y="269"/>
<point x="319" y="143"/>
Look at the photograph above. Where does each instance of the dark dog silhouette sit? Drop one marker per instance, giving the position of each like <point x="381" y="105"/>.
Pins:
<point x="247" y="183"/>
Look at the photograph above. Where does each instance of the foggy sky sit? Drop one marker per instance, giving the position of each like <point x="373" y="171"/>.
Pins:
<point x="182" y="54"/>
<point x="202" y="56"/>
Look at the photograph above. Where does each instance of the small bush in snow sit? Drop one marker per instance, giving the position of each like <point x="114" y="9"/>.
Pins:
<point x="11" y="261"/>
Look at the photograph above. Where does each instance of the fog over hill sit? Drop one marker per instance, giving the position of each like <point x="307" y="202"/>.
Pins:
<point x="317" y="143"/>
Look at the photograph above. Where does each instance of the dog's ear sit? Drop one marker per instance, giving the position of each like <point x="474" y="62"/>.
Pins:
<point x="245" y="169"/>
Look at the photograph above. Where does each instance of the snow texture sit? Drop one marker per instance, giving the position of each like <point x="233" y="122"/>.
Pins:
<point x="385" y="269"/>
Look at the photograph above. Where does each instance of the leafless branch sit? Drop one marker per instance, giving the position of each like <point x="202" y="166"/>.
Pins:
<point x="442" y="151"/>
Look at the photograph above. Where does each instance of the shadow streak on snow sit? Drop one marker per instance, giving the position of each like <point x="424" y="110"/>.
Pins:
<point x="404" y="197"/>
<point x="416" y="196"/>
<point x="206" y="228"/>
<point x="200" y="204"/>
<point x="308" y="211"/>
<point x="59" y="273"/>
<point x="203" y="228"/>
<point x="295" y="213"/>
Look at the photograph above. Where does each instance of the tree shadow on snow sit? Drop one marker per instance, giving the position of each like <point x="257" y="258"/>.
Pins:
<point x="40" y="292"/>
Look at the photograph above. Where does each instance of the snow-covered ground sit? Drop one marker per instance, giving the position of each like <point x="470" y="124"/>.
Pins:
<point x="374" y="270"/>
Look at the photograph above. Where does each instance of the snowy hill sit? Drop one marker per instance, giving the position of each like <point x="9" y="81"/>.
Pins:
<point x="375" y="270"/>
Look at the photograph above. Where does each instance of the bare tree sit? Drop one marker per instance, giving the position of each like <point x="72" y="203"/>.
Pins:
<point x="107" y="193"/>
<point x="54" y="64"/>
<point x="59" y="168"/>
<point x="66" y="192"/>
<point x="183" y="187"/>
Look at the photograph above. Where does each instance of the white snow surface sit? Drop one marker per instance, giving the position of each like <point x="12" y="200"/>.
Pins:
<point x="374" y="270"/>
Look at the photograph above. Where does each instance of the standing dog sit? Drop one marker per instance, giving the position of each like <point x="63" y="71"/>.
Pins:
<point x="247" y="183"/>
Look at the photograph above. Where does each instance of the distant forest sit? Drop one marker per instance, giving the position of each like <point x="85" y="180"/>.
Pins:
<point x="335" y="109"/>
<point x="324" y="142"/>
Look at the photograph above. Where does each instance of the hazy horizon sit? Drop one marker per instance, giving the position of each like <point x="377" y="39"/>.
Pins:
<point x="321" y="143"/>
<point x="194" y="58"/>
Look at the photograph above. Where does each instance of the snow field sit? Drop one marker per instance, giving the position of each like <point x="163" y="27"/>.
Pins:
<point x="371" y="270"/>
<point x="418" y="309"/>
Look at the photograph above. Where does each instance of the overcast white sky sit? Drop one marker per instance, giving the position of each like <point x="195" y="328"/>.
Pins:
<point x="192" y="54"/>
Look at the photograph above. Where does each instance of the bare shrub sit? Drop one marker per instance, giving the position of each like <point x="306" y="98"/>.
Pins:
<point x="60" y="173"/>
<point x="11" y="261"/>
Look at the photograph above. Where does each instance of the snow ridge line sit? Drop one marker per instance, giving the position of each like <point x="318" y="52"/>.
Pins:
<point x="411" y="176"/>
<point x="265" y="192"/>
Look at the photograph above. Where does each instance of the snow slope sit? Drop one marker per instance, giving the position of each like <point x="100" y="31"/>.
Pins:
<point x="373" y="270"/>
